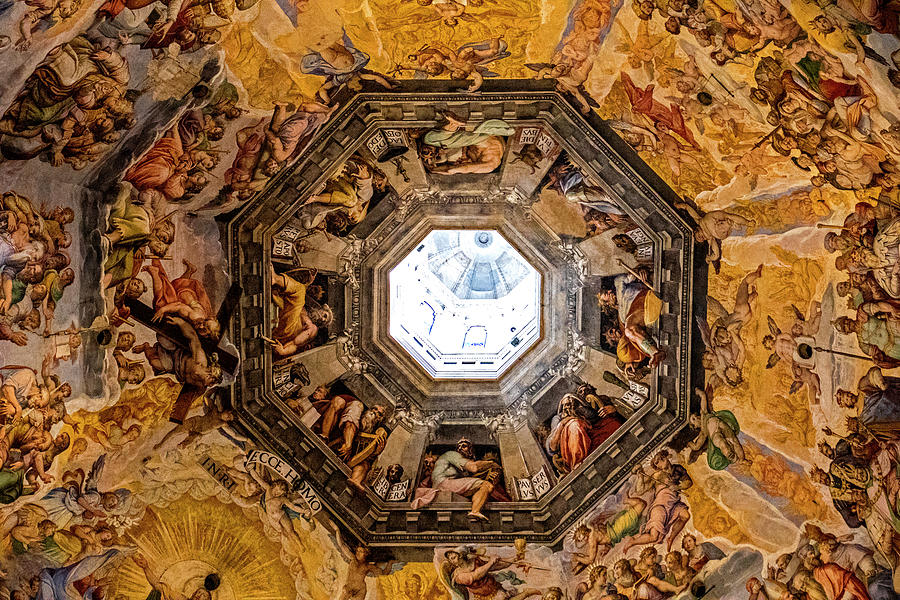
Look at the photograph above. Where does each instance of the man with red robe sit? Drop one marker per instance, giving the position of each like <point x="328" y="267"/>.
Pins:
<point x="571" y="437"/>
<point x="184" y="297"/>
<point x="165" y="168"/>
<point x="837" y="582"/>
<point x="642" y="101"/>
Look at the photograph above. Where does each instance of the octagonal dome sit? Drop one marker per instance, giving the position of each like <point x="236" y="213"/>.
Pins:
<point x="465" y="304"/>
<point x="294" y="246"/>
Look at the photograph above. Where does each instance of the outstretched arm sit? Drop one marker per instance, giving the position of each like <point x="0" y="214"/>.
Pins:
<point x="664" y="586"/>
<point x="383" y="82"/>
<point x="477" y="81"/>
<point x="385" y="570"/>
<point x="258" y="479"/>
<point x="704" y="400"/>
<point x="873" y="308"/>
<point x="153" y="579"/>
<point x="689" y="210"/>
<point x="177" y="308"/>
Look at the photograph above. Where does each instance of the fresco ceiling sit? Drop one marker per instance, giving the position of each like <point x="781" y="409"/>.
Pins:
<point x="203" y="395"/>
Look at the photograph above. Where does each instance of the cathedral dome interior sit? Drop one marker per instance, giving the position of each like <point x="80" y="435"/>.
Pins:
<point x="449" y="300"/>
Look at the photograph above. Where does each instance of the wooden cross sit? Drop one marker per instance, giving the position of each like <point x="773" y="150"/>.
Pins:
<point x="144" y="314"/>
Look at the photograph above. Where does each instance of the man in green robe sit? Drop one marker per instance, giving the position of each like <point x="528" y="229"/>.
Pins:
<point x="452" y="149"/>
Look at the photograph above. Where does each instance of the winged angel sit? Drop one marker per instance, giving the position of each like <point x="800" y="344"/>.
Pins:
<point x="794" y="348"/>
<point x="469" y="574"/>
<point x="469" y="61"/>
<point x="79" y="497"/>
<point x="451" y="12"/>
<point x="725" y="351"/>
<point x="642" y="52"/>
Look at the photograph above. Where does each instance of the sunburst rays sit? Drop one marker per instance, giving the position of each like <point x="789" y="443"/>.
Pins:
<point x="190" y="538"/>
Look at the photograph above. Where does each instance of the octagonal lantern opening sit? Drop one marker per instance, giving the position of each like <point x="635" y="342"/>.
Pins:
<point x="465" y="304"/>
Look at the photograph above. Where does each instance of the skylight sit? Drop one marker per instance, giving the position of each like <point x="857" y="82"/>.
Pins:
<point x="465" y="304"/>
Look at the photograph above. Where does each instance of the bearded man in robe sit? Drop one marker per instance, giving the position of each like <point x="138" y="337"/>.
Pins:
<point x="638" y="307"/>
<point x="165" y="168"/>
<point x="299" y="317"/>
<point x="877" y="401"/>
<point x="571" y="437"/>
<point x="830" y="581"/>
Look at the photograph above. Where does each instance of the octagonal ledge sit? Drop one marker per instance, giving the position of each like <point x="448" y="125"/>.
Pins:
<point x="387" y="524"/>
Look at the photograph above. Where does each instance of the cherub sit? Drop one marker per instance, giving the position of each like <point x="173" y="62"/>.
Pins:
<point x="713" y="227"/>
<point x="725" y="352"/>
<point x="640" y="50"/>
<point x="358" y="568"/>
<point x="718" y="431"/>
<point x="675" y="152"/>
<point x="638" y="137"/>
<point x="248" y="492"/>
<point x="278" y="510"/>
<point x="570" y="77"/>
<point x="607" y="529"/>
<point x="113" y="436"/>
<point x="471" y="60"/>
<point x="79" y="497"/>
<point x="42" y="11"/>
<point x="94" y="539"/>
<point x="199" y="425"/>
<point x="786" y="346"/>
<point x="448" y="12"/>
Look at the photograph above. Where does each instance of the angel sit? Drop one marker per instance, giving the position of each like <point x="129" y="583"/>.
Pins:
<point x="713" y="227"/>
<point x="725" y="351"/>
<point x="43" y="12"/>
<point x="248" y="492"/>
<point x="640" y="138"/>
<point x="718" y="431"/>
<point x="471" y="60"/>
<point x="92" y="539"/>
<point x="449" y="13"/>
<point x="359" y="567"/>
<point x="640" y="49"/>
<point x="278" y="510"/>
<point x="61" y="582"/>
<point x="750" y="165"/>
<point x="786" y="346"/>
<point x="675" y="152"/>
<point x="79" y="497"/>
<point x="596" y="538"/>
<point x="185" y="297"/>
<point x="197" y="426"/>
<point x="113" y="436"/>
<point x="340" y="63"/>
<point x="570" y="77"/>
<point x="25" y="524"/>
<point x="468" y="575"/>
<point x="426" y="61"/>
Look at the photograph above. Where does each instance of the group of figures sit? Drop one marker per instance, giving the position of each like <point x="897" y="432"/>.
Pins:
<point x="128" y="125"/>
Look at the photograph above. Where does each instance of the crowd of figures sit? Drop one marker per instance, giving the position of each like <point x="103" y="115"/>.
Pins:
<point x="768" y="117"/>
